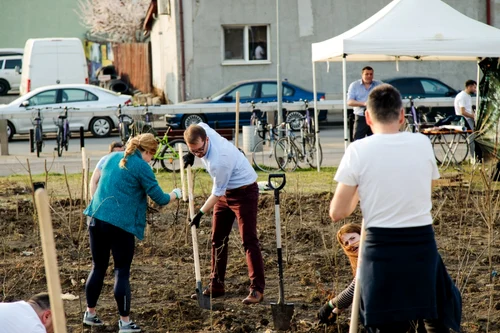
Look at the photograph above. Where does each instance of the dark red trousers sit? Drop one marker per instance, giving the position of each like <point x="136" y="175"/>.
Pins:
<point x="242" y="204"/>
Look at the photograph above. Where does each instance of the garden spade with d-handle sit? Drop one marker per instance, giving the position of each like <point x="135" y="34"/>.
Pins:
<point x="203" y="301"/>
<point x="282" y="312"/>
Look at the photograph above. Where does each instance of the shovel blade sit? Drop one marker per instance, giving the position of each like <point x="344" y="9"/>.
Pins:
<point x="282" y="315"/>
<point x="203" y="301"/>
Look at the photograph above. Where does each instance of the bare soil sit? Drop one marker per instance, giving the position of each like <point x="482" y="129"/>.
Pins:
<point x="162" y="276"/>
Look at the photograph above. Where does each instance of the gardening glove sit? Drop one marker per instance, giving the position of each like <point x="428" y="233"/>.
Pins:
<point x="188" y="159"/>
<point x="325" y="314"/>
<point x="177" y="192"/>
<point x="196" y="220"/>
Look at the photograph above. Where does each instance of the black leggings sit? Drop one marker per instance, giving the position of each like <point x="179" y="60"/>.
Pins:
<point x="104" y="238"/>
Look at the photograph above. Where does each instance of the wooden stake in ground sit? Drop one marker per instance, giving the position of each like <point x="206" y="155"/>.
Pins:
<point x="353" y="328"/>
<point x="50" y="259"/>
<point x="181" y="168"/>
<point x="237" y="124"/>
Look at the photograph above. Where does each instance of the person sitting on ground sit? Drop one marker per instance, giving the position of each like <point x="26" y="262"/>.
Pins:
<point x="96" y="175"/>
<point x="32" y="316"/>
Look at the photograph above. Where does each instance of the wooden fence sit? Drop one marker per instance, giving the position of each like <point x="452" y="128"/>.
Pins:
<point x="132" y="62"/>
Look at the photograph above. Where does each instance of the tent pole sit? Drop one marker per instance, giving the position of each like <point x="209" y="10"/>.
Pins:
<point x="344" y="94"/>
<point x="477" y="80"/>
<point x="316" y="123"/>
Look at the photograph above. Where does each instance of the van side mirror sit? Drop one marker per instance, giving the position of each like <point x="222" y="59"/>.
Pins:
<point x="25" y="103"/>
<point x="227" y="98"/>
<point x="18" y="70"/>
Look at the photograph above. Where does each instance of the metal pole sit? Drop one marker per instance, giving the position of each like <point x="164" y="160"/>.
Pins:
<point x="344" y="92"/>
<point x="316" y="124"/>
<point x="278" y="72"/>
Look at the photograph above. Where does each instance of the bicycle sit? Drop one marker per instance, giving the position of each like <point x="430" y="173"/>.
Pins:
<point x="144" y="125"/>
<point x="263" y="151"/>
<point x="168" y="154"/>
<point x="287" y="151"/>
<point x="63" y="133"/>
<point x="37" y="121"/>
<point x="124" y="123"/>
<point x="413" y="122"/>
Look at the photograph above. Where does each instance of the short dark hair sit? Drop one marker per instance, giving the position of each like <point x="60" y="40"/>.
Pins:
<point x="470" y="83"/>
<point x="193" y="132"/>
<point x="115" y="144"/>
<point x="366" y="68"/>
<point x="42" y="300"/>
<point x="384" y="103"/>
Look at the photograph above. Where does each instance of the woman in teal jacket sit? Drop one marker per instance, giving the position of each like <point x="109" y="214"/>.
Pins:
<point x="118" y="215"/>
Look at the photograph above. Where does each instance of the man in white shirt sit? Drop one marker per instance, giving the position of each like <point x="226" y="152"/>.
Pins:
<point x="235" y="194"/>
<point x="401" y="274"/>
<point x="463" y="107"/>
<point x="33" y="316"/>
<point x="463" y="102"/>
<point x="260" y="54"/>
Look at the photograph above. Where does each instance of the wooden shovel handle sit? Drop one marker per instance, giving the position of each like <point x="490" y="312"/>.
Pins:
<point x="194" y="235"/>
<point x="50" y="259"/>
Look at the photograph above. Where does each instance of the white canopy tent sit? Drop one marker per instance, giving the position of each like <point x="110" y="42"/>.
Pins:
<point x="408" y="30"/>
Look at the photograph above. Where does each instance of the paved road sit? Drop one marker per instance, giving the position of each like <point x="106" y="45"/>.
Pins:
<point x="19" y="154"/>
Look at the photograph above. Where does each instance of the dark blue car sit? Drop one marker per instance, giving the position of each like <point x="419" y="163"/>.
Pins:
<point x="250" y="90"/>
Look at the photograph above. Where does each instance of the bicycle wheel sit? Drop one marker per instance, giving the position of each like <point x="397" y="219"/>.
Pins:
<point x="38" y="140"/>
<point x="124" y="133"/>
<point x="59" y="143"/>
<point x="263" y="156"/>
<point x="169" y="157"/>
<point x="66" y="144"/>
<point x="286" y="155"/>
<point x="450" y="148"/>
<point x="311" y="156"/>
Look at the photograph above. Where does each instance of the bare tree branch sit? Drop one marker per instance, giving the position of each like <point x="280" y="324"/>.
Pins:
<point x="117" y="19"/>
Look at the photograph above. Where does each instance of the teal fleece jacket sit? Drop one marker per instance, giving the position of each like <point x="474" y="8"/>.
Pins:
<point x="121" y="196"/>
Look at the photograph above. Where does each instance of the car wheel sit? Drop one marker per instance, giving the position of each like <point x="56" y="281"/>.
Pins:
<point x="294" y="118"/>
<point x="191" y="119"/>
<point x="10" y="130"/>
<point x="101" y="127"/>
<point x="4" y="87"/>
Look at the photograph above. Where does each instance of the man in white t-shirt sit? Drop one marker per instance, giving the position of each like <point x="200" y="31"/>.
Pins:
<point x="33" y="316"/>
<point x="402" y="277"/>
<point x="260" y="54"/>
<point x="463" y="107"/>
<point x="463" y="102"/>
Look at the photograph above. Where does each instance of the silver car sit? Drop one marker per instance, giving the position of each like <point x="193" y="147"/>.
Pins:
<point x="83" y="97"/>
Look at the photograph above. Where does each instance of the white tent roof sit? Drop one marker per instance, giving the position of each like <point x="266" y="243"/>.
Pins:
<point x="413" y="29"/>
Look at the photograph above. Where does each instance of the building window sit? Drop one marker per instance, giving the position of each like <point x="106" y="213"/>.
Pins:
<point x="248" y="44"/>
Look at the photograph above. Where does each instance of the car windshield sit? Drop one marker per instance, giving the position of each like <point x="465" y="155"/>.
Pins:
<point x="223" y="91"/>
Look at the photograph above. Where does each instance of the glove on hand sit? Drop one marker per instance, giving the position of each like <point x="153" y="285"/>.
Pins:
<point x="196" y="220"/>
<point x="188" y="159"/>
<point x="177" y="192"/>
<point x="325" y="314"/>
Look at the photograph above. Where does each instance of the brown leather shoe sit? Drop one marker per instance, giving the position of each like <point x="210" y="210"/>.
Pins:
<point x="254" y="297"/>
<point x="214" y="289"/>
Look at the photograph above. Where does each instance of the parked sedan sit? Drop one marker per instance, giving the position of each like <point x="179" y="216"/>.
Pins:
<point x="250" y="90"/>
<point x="80" y="96"/>
<point x="426" y="88"/>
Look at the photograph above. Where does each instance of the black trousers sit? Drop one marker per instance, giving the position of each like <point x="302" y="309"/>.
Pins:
<point x="361" y="129"/>
<point x="106" y="238"/>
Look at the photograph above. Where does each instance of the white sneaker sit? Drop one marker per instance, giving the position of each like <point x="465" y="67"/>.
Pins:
<point x="129" y="327"/>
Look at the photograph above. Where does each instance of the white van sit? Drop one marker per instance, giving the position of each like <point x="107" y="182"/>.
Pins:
<point x="49" y="61"/>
